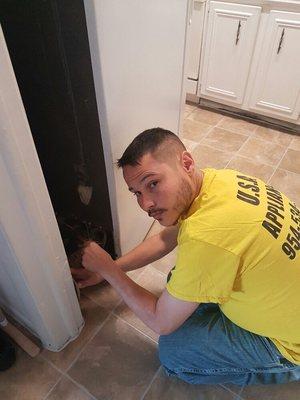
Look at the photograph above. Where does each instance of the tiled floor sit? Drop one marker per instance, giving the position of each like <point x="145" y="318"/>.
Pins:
<point x="223" y="142"/>
<point x="115" y="356"/>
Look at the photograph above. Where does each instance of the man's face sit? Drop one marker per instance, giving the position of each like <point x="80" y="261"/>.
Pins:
<point x="163" y="190"/>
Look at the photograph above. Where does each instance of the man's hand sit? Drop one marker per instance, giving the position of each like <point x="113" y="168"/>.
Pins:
<point x="85" y="278"/>
<point x="95" y="259"/>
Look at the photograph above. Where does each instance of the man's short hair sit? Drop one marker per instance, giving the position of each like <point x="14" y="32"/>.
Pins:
<point x="150" y="141"/>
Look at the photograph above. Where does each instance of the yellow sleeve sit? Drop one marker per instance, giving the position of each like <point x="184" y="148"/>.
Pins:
<point x="204" y="273"/>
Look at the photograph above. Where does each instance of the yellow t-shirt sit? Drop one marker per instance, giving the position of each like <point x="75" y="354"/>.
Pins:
<point x="239" y="246"/>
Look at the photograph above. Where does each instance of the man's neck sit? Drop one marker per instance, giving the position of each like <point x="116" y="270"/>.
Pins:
<point x="198" y="183"/>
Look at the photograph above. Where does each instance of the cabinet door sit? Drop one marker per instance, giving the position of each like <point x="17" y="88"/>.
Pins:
<point x="229" y="41"/>
<point x="276" y="89"/>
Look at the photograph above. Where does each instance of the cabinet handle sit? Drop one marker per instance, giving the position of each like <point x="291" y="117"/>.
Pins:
<point x="238" y="33"/>
<point x="280" y="41"/>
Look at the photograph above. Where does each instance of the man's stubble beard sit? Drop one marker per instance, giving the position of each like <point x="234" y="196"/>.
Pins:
<point x="184" y="198"/>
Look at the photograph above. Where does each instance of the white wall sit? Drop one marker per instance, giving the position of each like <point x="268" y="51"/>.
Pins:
<point x="137" y="49"/>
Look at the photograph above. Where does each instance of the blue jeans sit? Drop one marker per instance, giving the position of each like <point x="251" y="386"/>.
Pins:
<point x="210" y="349"/>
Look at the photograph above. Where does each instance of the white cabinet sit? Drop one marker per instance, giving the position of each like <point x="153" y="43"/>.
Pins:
<point x="250" y="56"/>
<point x="229" y="41"/>
<point x="276" y="83"/>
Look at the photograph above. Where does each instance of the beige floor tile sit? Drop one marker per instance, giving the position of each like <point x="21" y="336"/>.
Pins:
<point x="208" y="117"/>
<point x="155" y="229"/>
<point x="291" y="161"/>
<point x="290" y="391"/>
<point x="29" y="378"/>
<point x="237" y="125"/>
<point x="93" y="315"/>
<point x="248" y="166"/>
<point x="166" y="263"/>
<point x="118" y="363"/>
<point x="67" y="390"/>
<point x="232" y="388"/>
<point x="262" y="151"/>
<point x="295" y="143"/>
<point x="206" y="156"/>
<point x="224" y="140"/>
<point x="103" y="294"/>
<point x="154" y="282"/>
<point x="188" y="108"/>
<point x="288" y="183"/>
<point x="194" y="130"/>
<point x="189" y="144"/>
<point x="135" y="274"/>
<point x="167" y="388"/>
<point x="274" y="136"/>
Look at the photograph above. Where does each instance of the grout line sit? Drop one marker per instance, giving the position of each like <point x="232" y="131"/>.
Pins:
<point x="234" y="131"/>
<point x="207" y="133"/>
<point x="83" y="388"/>
<point x="182" y="136"/>
<point x="228" y="130"/>
<point x="241" y="392"/>
<point x="249" y="159"/>
<point x="202" y="138"/>
<point x="189" y="113"/>
<point x="91" y="338"/>
<point x="276" y="167"/>
<point x="54" y="386"/>
<point x="134" y="327"/>
<point x="65" y="375"/>
<point x="163" y="274"/>
<point x="236" y="153"/>
<point x="117" y="305"/>
<point x="250" y="135"/>
<point x="83" y="348"/>
<point x="99" y="304"/>
<point x="243" y="145"/>
<point x="237" y="395"/>
<point x="291" y="148"/>
<point x="149" y="231"/>
<point x="189" y="146"/>
<point x="290" y="172"/>
<point x="151" y="382"/>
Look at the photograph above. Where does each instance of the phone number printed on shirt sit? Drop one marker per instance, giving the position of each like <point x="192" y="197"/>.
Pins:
<point x="292" y="241"/>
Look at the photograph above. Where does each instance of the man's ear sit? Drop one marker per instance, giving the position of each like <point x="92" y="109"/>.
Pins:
<point x="188" y="162"/>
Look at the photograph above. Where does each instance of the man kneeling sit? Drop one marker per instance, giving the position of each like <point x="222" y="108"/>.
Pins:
<point x="230" y="309"/>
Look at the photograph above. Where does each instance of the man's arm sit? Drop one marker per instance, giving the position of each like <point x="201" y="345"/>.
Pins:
<point x="148" y="251"/>
<point x="163" y="315"/>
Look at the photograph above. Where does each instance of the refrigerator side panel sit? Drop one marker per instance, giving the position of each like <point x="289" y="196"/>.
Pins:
<point x="137" y="49"/>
